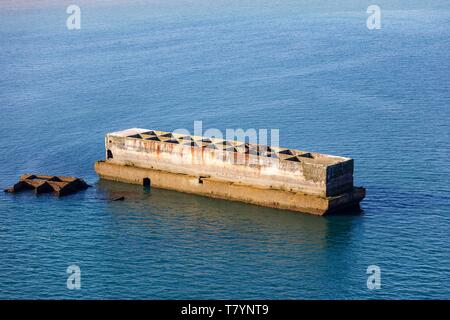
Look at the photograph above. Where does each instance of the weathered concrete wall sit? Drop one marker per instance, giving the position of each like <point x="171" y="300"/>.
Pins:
<point x="253" y="165"/>
<point x="217" y="188"/>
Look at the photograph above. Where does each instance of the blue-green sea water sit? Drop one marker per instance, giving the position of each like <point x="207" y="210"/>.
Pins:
<point x="312" y="70"/>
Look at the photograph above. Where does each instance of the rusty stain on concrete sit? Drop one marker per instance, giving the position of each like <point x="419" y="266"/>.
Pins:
<point x="265" y="175"/>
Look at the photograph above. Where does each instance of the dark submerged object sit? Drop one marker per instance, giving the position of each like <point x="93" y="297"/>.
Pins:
<point x="59" y="185"/>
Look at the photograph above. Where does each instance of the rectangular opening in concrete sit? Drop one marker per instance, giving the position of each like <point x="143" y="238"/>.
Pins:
<point x="154" y="138"/>
<point x="294" y="159"/>
<point x="136" y="136"/>
<point x="256" y="150"/>
<point x="306" y="155"/>
<point x="167" y="135"/>
<point x="286" y="151"/>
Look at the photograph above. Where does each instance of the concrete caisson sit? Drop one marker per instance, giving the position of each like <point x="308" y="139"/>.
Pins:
<point x="264" y="175"/>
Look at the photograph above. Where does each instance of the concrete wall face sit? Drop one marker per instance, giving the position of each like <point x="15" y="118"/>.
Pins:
<point x="340" y="177"/>
<point x="232" y="161"/>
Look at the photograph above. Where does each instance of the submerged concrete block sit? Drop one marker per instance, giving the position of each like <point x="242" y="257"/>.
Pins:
<point x="58" y="185"/>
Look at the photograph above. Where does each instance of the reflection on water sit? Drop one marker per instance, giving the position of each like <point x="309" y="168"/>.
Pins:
<point x="214" y="215"/>
<point x="222" y="230"/>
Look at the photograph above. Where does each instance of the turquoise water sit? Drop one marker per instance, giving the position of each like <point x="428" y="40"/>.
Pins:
<point x="313" y="71"/>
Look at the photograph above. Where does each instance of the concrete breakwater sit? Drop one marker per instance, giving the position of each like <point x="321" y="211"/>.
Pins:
<point x="264" y="175"/>
<point x="58" y="185"/>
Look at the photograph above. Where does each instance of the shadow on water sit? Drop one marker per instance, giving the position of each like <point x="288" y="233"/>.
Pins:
<point x="194" y="213"/>
<point x="354" y="210"/>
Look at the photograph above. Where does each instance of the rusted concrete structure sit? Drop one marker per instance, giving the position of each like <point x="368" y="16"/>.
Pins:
<point x="264" y="175"/>
<point x="58" y="185"/>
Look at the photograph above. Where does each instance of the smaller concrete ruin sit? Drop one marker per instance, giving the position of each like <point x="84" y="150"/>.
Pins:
<point x="59" y="185"/>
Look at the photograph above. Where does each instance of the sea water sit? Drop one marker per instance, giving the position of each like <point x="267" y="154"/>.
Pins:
<point x="313" y="71"/>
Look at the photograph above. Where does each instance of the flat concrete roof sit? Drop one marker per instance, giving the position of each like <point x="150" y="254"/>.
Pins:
<point x="231" y="145"/>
